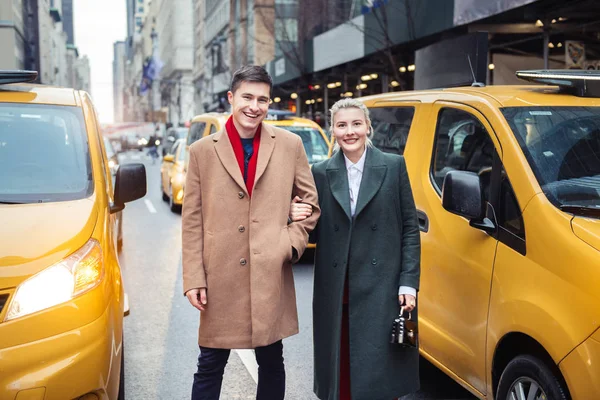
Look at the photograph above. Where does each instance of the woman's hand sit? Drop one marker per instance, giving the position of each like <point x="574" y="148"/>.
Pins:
<point x="299" y="211"/>
<point x="407" y="301"/>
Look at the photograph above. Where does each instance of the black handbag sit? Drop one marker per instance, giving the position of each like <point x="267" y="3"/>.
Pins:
<point x="405" y="331"/>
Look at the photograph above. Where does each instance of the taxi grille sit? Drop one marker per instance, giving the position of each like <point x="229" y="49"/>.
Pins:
<point x="3" y="300"/>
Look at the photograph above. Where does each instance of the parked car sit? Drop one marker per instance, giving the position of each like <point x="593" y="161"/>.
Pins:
<point x="173" y="135"/>
<point x="506" y="180"/>
<point x="172" y="176"/>
<point x="316" y="142"/>
<point x="62" y="300"/>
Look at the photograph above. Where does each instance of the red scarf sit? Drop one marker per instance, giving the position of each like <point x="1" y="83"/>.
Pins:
<point x="238" y="150"/>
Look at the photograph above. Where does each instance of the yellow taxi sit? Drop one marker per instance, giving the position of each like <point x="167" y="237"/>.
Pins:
<point x="61" y="291"/>
<point x="506" y="181"/>
<point x="172" y="175"/>
<point x="316" y="142"/>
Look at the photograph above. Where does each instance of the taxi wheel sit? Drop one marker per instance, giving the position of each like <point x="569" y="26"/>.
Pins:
<point x="162" y="190"/>
<point x="174" y="207"/>
<point x="122" y="374"/>
<point x="120" y="235"/>
<point x="528" y="376"/>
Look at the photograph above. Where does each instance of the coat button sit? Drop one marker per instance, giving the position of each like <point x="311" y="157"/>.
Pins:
<point x="242" y="261"/>
<point x="335" y="264"/>
<point x="374" y="261"/>
<point x="374" y="227"/>
<point x="336" y="228"/>
<point x="241" y="195"/>
<point x="241" y="228"/>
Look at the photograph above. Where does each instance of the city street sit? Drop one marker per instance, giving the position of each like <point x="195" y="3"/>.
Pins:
<point x="160" y="332"/>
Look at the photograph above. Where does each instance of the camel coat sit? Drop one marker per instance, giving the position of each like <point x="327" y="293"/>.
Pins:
<point x="240" y="248"/>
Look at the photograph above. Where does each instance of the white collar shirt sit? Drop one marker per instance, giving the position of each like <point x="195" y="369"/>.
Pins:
<point x="355" y="173"/>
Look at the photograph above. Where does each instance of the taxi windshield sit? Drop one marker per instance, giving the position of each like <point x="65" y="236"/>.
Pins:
<point x="44" y="154"/>
<point x="315" y="146"/>
<point x="562" y="145"/>
<point x="182" y="150"/>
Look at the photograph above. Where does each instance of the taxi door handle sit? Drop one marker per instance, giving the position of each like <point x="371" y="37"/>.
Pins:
<point x="423" y="221"/>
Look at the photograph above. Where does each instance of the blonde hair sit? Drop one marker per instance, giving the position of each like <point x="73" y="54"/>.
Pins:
<point x="342" y="104"/>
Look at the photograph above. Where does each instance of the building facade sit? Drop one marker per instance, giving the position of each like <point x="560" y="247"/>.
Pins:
<point x="175" y="38"/>
<point x="199" y="54"/>
<point x="12" y="35"/>
<point x="119" y="60"/>
<point x="217" y="71"/>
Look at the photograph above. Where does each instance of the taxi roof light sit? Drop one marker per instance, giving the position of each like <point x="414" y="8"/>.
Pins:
<point x="583" y="83"/>
<point x="17" y="76"/>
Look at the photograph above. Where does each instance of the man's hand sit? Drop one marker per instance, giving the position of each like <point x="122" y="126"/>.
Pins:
<point x="299" y="211"/>
<point x="197" y="298"/>
<point x="407" y="301"/>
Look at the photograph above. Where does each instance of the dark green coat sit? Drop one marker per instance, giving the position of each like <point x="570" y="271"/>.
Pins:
<point x="380" y="250"/>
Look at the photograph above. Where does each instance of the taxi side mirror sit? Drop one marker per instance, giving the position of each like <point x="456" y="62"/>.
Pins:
<point x="169" y="158"/>
<point x="461" y="195"/>
<point x="130" y="184"/>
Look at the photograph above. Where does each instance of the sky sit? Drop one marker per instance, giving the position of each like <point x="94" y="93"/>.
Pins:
<point x="97" y="25"/>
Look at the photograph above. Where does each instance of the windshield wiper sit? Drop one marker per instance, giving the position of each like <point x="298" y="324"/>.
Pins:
<point x="585" y="211"/>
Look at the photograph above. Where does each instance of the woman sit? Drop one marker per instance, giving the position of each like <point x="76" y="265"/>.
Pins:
<point x="366" y="265"/>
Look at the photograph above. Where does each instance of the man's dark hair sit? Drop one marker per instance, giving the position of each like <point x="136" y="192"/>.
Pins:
<point x="251" y="73"/>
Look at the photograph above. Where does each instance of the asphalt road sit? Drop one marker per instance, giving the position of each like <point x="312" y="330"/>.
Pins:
<point x="160" y="332"/>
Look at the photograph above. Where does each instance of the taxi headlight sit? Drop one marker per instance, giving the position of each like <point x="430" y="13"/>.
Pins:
<point x="111" y="164"/>
<point x="61" y="282"/>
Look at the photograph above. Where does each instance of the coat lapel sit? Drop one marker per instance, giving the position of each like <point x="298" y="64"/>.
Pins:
<point x="373" y="175"/>
<point x="227" y="156"/>
<point x="267" y="144"/>
<point x="338" y="181"/>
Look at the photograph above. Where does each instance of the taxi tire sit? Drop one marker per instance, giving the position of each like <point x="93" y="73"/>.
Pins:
<point x="121" y="395"/>
<point x="528" y="366"/>
<point x="174" y="207"/>
<point x="165" y="197"/>
<point x="120" y="234"/>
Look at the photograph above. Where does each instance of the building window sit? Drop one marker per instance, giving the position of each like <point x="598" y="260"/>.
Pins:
<point x="286" y="30"/>
<point x="141" y="9"/>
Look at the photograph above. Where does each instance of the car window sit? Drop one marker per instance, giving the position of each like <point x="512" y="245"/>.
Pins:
<point x="213" y="129"/>
<point x="181" y="154"/>
<point x="174" y="148"/>
<point x="390" y="127"/>
<point x="562" y="146"/>
<point x="110" y="152"/>
<point x="44" y="154"/>
<point x="315" y="146"/>
<point x="509" y="213"/>
<point x="196" y="132"/>
<point x="462" y="143"/>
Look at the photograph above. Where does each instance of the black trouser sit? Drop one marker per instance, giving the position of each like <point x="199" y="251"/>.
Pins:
<point x="211" y="365"/>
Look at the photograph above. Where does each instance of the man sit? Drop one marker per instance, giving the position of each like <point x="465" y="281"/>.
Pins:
<point x="238" y="247"/>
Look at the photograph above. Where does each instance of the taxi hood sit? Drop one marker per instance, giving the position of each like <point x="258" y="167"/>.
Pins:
<point x="35" y="236"/>
<point x="588" y="230"/>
